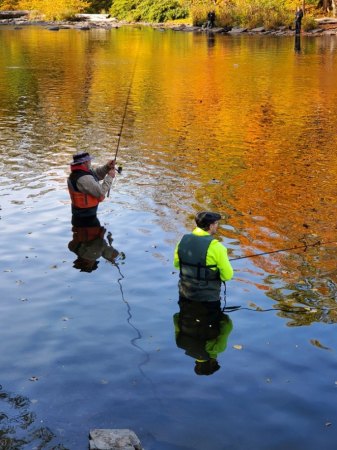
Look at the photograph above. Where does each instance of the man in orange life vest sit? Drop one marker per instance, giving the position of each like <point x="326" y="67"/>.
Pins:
<point x="85" y="190"/>
<point x="89" y="244"/>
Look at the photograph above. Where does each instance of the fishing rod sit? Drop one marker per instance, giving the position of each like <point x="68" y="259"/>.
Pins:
<point x="298" y="247"/>
<point x="120" y="168"/>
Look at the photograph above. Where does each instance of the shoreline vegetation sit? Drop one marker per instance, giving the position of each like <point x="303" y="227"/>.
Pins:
<point x="18" y="19"/>
<point x="211" y="16"/>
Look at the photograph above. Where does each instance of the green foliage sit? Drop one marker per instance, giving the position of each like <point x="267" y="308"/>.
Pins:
<point x="267" y="13"/>
<point x="99" y="6"/>
<point x="123" y="9"/>
<point x="308" y="23"/>
<point x="148" y="10"/>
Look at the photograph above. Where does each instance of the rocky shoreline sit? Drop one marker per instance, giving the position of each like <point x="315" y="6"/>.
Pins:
<point x="19" y="19"/>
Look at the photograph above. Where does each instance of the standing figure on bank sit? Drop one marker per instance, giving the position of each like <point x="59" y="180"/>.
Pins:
<point x="298" y="20"/>
<point x="211" y="19"/>
<point x="85" y="190"/>
<point x="203" y="261"/>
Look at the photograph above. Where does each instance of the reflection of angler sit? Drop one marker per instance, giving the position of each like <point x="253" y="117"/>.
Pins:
<point x="89" y="245"/>
<point x="202" y="330"/>
<point x="297" y="43"/>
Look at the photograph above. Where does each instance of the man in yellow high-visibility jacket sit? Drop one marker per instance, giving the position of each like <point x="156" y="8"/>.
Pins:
<point x="202" y="260"/>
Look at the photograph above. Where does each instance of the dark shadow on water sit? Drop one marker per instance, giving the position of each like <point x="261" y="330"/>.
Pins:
<point x="202" y="330"/>
<point x="18" y="429"/>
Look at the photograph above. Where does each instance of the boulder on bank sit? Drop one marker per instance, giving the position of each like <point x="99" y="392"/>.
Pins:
<point x="13" y="14"/>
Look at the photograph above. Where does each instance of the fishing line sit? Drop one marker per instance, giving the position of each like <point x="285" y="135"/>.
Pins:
<point x="305" y="246"/>
<point x="119" y="170"/>
<point x="138" y="334"/>
<point x="299" y="310"/>
<point x="306" y="309"/>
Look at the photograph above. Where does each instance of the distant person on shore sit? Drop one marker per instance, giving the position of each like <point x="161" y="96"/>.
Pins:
<point x="84" y="188"/>
<point x="298" y="20"/>
<point x="210" y="20"/>
<point x="203" y="261"/>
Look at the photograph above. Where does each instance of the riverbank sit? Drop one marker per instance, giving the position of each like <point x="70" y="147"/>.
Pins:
<point x="325" y="26"/>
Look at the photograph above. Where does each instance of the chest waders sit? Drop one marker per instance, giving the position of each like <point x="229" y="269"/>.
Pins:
<point x="198" y="281"/>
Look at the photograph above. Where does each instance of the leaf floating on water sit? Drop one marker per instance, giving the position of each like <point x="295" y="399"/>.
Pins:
<point x="33" y="378"/>
<point x="252" y="305"/>
<point x="237" y="347"/>
<point x="316" y="343"/>
<point x="328" y="424"/>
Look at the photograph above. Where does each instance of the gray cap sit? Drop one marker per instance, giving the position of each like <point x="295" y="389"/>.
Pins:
<point x="205" y="218"/>
<point x="80" y="158"/>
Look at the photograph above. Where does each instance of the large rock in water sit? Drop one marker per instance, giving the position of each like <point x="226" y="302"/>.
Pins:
<point x="119" y="439"/>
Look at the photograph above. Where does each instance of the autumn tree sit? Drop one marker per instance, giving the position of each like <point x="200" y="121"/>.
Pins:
<point x="56" y="10"/>
<point x="9" y="5"/>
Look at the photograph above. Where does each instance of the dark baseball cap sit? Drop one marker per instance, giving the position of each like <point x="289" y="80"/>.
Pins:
<point x="206" y="218"/>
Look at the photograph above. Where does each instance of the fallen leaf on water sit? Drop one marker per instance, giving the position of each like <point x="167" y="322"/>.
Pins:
<point x="328" y="424"/>
<point x="316" y="343"/>
<point x="237" y="347"/>
<point x="33" y="378"/>
<point x="252" y="305"/>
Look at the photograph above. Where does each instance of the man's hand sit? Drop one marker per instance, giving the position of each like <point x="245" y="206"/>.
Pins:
<point x="112" y="172"/>
<point x="111" y="164"/>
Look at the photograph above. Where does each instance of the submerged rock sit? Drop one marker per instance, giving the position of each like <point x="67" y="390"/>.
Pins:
<point x="117" y="439"/>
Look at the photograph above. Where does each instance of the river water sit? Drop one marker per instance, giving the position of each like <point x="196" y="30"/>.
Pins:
<point x="244" y="125"/>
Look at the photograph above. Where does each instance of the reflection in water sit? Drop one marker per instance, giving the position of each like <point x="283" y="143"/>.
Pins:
<point x="17" y="425"/>
<point x="202" y="330"/>
<point x="89" y="244"/>
<point x="297" y="43"/>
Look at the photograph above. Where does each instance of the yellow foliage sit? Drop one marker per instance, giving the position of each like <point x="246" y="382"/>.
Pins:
<point x="9" y="5"/>
<point x="55" y="10"/>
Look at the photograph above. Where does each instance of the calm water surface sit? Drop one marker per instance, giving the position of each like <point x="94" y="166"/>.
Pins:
<point x="242" y="125"/>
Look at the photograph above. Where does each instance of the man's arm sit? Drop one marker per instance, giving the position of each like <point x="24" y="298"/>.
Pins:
<point x="217" y="254"/>
<point x="176" y="258"/>
<point x="88" y="185"/>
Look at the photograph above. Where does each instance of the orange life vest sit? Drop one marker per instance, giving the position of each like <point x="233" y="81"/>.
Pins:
<point x="80" y="199"/>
